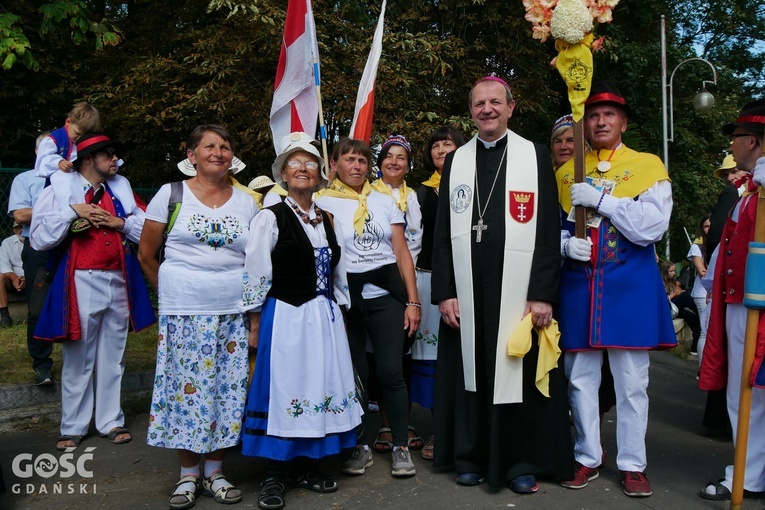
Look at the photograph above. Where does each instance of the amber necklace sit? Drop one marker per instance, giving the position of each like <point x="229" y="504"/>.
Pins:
<point x="304" y="216"/>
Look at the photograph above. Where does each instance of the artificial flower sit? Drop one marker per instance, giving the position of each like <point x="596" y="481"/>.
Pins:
<point x="571" y="20"/>
<point x="540" y="32"/>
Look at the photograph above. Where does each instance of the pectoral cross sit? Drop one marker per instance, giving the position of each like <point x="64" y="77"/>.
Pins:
<point x="479" y="228"/>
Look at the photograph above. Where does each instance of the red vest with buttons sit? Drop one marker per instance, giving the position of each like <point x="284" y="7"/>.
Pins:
<point x="98" y="248"/>
<point x="734" y="247"/>
<point x="728" y="289"/>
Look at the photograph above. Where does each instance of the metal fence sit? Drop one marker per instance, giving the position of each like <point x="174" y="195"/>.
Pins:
<point x="6" y="178"/>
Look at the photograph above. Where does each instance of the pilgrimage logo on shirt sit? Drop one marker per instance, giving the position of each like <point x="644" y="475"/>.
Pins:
<point x="371" y="237"/>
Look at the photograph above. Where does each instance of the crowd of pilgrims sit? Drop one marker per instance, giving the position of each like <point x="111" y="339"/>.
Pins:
<point x="286" y="306"/>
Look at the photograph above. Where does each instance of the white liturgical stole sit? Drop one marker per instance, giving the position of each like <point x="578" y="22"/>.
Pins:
<point x="520" y="196"/>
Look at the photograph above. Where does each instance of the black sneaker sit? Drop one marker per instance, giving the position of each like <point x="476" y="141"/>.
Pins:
<point x="6" y="321"/>
<point x="43" y="378"/>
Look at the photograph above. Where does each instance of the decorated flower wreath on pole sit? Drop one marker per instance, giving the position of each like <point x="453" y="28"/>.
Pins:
<point x="571" y="23"/>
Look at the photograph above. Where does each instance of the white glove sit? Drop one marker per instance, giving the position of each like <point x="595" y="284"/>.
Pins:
<point x="585" y="194"/>
<point x="758" y="176"/>
<point x="579" y="249"/>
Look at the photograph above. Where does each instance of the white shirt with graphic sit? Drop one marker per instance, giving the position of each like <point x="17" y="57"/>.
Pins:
<point x="373" y="249"/>
<point x="204" y="253"/>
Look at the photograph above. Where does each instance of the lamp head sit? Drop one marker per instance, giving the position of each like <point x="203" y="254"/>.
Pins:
<point x="704" y="100"/>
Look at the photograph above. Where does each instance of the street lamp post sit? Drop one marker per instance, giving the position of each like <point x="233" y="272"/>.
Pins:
<point x="703" y="101"/>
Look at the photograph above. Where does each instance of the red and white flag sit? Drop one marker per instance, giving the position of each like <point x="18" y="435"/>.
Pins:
<point x="296" y="106"/>
<point x="361" y="129"/>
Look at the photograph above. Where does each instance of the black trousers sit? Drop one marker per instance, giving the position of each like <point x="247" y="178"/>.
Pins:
<point x="382" y="319"/>
<point x="39" y="350"/>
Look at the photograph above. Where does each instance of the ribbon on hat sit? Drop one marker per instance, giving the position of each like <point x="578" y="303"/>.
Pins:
<point x="402" y="202"/>
<point x="549" y="352"/>
<point x="339" y="190"/>
<point x="755" y="119"/>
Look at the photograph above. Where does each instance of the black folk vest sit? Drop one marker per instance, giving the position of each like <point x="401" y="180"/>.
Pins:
<point x="293" y="259"/>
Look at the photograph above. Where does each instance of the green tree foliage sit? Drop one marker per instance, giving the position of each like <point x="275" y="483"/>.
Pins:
<point x="76" y="17"/>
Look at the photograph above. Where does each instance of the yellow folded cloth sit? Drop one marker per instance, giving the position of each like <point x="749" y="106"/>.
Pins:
<point x="549" y="352"/>
<point x="254" y="194"/>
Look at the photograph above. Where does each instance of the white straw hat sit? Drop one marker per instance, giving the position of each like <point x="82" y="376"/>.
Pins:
<point x="260" y="181"/>
<point x="292" y="143"/>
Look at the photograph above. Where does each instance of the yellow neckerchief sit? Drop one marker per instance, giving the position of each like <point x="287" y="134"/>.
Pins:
<point x="434" y="181"/>
<point x="339" y="190"/>
<point x="633" y="172"/>
<point x="380" y="186"/>
<point x="254" y="194"/>
<point x="279" y="190"/>
<point x="549" y="351"/>
<point x="698" y="240"/>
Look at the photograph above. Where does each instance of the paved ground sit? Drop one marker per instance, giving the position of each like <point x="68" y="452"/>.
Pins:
<point x="682" y="456"/>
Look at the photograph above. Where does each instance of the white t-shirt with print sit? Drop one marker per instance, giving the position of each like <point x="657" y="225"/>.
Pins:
<point x="373" y="249"/>
<point x="204" y="253"/>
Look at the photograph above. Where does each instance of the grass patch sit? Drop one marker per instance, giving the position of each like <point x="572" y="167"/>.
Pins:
<point x="16" y="365"/>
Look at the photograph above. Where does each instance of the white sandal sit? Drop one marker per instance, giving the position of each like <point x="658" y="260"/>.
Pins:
<point x="226" y="495"/>
<point x="184" y="499"/>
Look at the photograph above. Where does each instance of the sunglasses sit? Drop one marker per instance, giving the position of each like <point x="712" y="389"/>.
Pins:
<point x="110" y="153"/>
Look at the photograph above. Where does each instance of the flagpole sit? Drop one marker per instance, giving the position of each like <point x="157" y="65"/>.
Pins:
<point x="317" y="84"/>
<point x="322" y="127"/>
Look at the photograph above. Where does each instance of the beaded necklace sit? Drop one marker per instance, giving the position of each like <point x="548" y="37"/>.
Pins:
<point x="304" y="216"/>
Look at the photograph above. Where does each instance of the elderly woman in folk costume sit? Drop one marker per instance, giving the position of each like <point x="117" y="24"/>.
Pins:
<point x="201" y="376"/>
<point x="383" y="291"/>
<point x="394" y="162"/>
<point x="442" y="142"/>
<point x="293" y="286"/>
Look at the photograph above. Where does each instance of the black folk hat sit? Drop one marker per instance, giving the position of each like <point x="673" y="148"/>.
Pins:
<point x="606" y="92"/>
<point x="752" y="118"/>
<point x="94" y="142"/>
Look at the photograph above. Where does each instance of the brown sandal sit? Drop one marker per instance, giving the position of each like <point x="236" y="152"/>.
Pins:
<point x="428" y="449"/>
